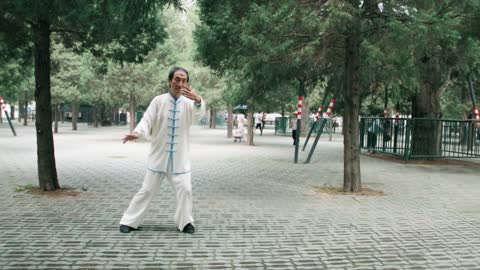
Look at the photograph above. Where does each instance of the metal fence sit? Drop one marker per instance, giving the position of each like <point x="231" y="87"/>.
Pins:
<point x="421" y="138"/>
<point x="219" y="121"/>
<point x="282" y="126"/>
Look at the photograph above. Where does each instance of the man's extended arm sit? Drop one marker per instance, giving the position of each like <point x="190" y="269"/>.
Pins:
<point x="129" y="137"/>
<point x="145" y="124"/>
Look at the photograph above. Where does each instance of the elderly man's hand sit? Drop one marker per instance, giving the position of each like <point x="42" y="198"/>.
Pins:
<point x="190" y="93"/>
<point x="129" y="137"/>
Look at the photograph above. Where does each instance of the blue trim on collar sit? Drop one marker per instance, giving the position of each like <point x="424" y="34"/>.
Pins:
<point x="175" y="100"/>
<point x="172" y="96"/>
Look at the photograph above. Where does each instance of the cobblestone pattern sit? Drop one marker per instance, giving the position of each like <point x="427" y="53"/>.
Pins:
<point x="254" y="208"/>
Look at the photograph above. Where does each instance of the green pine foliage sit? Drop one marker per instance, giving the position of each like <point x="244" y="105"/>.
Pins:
<point x="123" y="31"/>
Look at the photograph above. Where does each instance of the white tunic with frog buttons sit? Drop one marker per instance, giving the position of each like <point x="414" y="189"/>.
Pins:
<point x="166" y="123"/>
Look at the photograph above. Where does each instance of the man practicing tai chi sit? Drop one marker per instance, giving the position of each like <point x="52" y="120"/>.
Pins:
<point x="167" y="124"/>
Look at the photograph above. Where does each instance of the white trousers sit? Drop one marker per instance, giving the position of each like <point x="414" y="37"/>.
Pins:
<point x="182" y="185"/>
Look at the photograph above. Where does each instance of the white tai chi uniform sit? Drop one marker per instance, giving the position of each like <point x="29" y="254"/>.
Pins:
<point x="167" y="124"/>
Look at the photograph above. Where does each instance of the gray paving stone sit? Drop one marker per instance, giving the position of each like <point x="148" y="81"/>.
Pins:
<point x="254" y="208"/>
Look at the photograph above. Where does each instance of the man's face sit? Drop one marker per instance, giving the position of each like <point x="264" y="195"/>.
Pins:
<point x="178" y="82"/>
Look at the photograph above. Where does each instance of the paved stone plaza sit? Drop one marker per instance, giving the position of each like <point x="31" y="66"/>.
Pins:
<point x="254" y="208"/>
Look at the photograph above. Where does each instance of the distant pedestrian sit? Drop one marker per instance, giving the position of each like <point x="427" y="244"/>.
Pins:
<point x="373" y="129"/>
<point x="167" y="123"/>
<point x="258" y="122"/>
<point x="293" y="126"/>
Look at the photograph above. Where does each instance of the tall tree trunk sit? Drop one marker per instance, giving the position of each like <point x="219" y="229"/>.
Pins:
<point x="230" y="121"/>
<point x="74" y="114"/>
<point x="132" y="112"/>
<point x="20" y="110"/>
<point x="47" y="171"/>
<point x="55" y="129"/>
<point x="250" y="122"/>
<point x="305" y="126"/>
<point x="94" y="116"/>
<point x="12" y="112"/>
<point x="351" y="159"/>
<point x="115" y="116"/>
<point x="426" y="138"/>
<point x="62" y="115"/>
<point x="330" y="128"/>
<point x="213" y="118"/>
<point x="25" y="119"/>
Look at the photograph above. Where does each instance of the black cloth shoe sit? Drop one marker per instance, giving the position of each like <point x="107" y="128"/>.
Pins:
<point x="188" y="228"/>
<point x="126" y="229"/>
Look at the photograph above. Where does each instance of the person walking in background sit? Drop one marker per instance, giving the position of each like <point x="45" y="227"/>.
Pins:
<point x="373" y="129"/>
<point x="166" y="123"/>
<point x="293" y="126"/>
<point x="258" y="122"/>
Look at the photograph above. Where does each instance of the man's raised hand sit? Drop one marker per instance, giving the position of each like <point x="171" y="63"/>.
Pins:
<point x="190" y="93"/>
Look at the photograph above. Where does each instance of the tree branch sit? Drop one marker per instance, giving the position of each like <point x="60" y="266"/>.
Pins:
<point x="60" y="30"/>
<point x="445" y="8"/>
<point x="447" y="82"/>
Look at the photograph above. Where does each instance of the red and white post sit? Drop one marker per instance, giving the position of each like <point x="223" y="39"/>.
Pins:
<point x="330" y="107"/>
<point x="299" y="126"/>
<point x="2" y="103"/>
<point x="317" y="115"/>
<point x="299" y="109"/>
<point x="2" y="108"/>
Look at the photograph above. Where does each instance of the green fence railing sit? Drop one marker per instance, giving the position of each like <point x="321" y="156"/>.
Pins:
<point x="219" y="120"/>
<point x="282" y="126"/>
<point x="421" y="137"/>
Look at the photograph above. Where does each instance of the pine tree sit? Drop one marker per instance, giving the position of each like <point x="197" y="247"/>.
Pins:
<point x="121" y="30"/>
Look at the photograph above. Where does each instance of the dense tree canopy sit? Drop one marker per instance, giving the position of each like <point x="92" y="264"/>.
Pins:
<point x="413" y="49"/>
<point x="120" y="30"/>
<point x="115" y="54"/>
